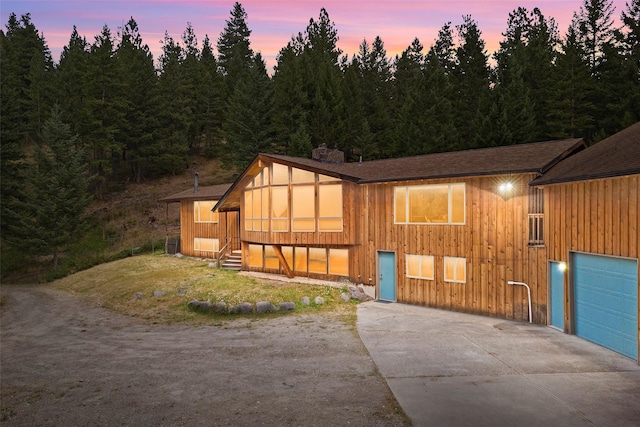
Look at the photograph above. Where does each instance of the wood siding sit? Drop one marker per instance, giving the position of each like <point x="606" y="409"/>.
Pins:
<point x="494" y="241"/>
<point x="226" y="230"/>
<point x="597" y="216"/>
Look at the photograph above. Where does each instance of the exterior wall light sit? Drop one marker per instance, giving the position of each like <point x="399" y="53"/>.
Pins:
<point x="562" y="267"/>
<point x="506" y="187"/>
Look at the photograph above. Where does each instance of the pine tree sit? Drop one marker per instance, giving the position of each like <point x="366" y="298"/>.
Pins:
<point x="106" y="112"/>
<point x="247" y="128"/>
<point x="235" y="56"/>
<point x="407" y="99"/>
<point x="58" y="196"/>
<point x="143" y="152"/>
<point x="471" y="80"/>
<point x="573" y="115"/>
<point x="322" y="80"/>
<point x="595" y="29"/>
<point x="72" y="85"/>
<point x="209" y="100"/>
<point x="291" y="135"/>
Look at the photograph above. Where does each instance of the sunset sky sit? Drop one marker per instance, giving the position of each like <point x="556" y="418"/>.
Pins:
<point x="274" y="22"/>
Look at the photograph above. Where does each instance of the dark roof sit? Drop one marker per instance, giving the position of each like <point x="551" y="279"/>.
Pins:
<point x="211" y="192"/>
<point x="521" y="158"/>
<point x="617" y="155"/>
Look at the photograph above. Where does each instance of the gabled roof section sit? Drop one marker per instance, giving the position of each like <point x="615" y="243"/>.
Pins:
<point x="212" y="192"/>
<point x="523" y="158"/>
<point x="617" y="155"/>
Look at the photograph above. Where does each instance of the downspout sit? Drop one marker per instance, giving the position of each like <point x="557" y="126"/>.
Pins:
<point x="528" y="295"/>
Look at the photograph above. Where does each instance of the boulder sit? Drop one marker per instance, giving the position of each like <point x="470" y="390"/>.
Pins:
<point x="358" y="293"/>
<point x="306" y="301"/>
<point x="159" y="294"/>
<point x="287" y="306"/>
<point x="265" y="307"/>
<point x="318" y="300"/>
<point x="243" y="308"/>
<point x="138" y="295"/>
<point x="199" y="305"/>
<point x="220" y="307"/>
<point x="345" y="297"/>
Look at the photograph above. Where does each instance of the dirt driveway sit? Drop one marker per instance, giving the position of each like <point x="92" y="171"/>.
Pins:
<point x="63" y="363"/>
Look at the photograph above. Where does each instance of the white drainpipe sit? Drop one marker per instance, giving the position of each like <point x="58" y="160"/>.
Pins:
<point x="528" y="294"/>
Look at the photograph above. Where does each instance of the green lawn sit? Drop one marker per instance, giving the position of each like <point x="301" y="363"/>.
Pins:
<point x="114" y="286"/>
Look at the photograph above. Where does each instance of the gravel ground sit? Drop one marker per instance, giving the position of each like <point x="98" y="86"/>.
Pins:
<point x="65" y="364"/>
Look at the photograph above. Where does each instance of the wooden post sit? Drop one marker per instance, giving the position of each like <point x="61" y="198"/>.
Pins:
<point x="278" y="250"/>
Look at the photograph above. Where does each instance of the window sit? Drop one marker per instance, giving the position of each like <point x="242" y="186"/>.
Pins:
<point x="300" y="176"/>
<point x="301" y="259"/>
<point x="255" y="256"/>
<point x="282" y="198"/>
<point x="536" y="216"/>
<point x="270" y="258"/>
<point x="420" y="266"/>
<point x="455" y="269"/>
<point x="430" y="204"/>
<point x="318" y="260"/>
<point x="330" y="207"/>
<point x="202" y="211"/>
<point x="279" y="208"/>
<point x="303" y="208"/>
<point x="256" y="203"/>
<point x="206" y="245"/>
<point x="339" y="262"/>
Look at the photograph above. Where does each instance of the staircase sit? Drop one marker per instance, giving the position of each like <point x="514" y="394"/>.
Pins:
<point x="233" y="261"/>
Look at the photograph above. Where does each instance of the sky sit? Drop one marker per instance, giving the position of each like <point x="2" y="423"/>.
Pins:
<point x="274" y="22"/>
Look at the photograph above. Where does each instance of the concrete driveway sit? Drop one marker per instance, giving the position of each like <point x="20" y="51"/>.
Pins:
<point x="448" y="368"/>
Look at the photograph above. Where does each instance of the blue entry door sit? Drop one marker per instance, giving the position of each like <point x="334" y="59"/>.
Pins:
<point x="387" y="270"/>
<point x="556" y="296"/>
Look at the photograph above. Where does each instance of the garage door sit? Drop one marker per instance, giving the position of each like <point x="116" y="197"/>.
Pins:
<point x="606" y="301"/>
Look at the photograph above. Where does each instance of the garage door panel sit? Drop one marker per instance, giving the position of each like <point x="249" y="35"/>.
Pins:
<point x="606" y="301"/>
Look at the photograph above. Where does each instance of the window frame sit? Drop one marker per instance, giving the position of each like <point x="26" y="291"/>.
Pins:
<point x="420" y="260"/>
<point x="405" y="190"/>
<point x="456" y="260"/>
<point x="214" y="217"/>
<point x="197" y="244"/>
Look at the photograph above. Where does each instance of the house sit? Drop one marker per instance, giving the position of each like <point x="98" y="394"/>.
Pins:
<point x="204" y="233"/>
<point x="592" y="200"/>
<point x="446" y="230"/>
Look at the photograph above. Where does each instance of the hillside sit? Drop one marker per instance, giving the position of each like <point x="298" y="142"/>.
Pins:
<point x="130" y="219"/>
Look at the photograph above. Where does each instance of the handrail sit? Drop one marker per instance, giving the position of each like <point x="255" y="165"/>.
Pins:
<point x="221" y="252"/>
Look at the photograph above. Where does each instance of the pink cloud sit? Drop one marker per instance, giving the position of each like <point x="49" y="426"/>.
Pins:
<point x="274" y="22"/>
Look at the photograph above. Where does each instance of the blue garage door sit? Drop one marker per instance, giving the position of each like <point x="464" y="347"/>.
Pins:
<point x="606" y="301"/>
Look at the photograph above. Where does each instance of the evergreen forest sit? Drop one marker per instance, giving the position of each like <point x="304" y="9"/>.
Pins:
<point x="109" y="112"/>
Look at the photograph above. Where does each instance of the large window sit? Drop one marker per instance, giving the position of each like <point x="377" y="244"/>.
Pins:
<point x="430" y="204"/>
<point x="206" y="245"/>
<point x="256" y="203"/>
<point x="420" y="266"/>
<point x="302" y="259"/>
<point x="202" y="211"/>
<point x="455" y="269"/>
<point x="330" y="207"/>
<point x="303" y="208"/>
<point x="282" y="198"/>
<point x="255" y="256"/>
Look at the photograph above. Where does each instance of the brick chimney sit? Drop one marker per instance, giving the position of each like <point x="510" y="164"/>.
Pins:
<point x="327" y="155"/>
